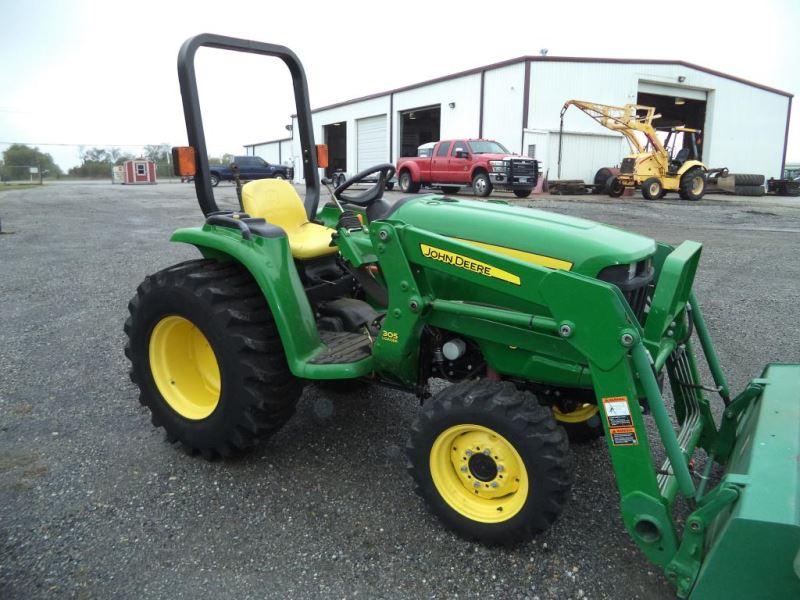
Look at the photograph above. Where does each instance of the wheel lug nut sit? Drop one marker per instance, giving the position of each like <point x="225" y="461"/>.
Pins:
<point x="500" y="467"/>
<point x="494" y="484"/>
<point x="487" y="452"/>
<point x="476" y="484"/>
<point x="468" y="453"/>
<point x="464" y="469"/>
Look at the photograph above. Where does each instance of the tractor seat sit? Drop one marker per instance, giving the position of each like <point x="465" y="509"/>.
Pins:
<point x="277" y="202"/>
<point x="680" y="158"/>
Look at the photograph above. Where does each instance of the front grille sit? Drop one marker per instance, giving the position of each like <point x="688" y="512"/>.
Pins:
<point x="637" y="298"/>
<point x="523" y="168"/>
<point x="627" y="165"/>
<point x="636" y="289"/>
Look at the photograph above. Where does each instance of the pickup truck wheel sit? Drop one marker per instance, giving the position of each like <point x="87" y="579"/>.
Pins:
<point x="522" y="193"/>
<point x="214" y="180"/>
<point x="407" y="184"/>
<point x="279" y="176"/>
<point x="481" y="185"/>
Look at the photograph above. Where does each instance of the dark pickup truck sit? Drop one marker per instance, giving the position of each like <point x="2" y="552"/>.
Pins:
<point x="250" y="167"/>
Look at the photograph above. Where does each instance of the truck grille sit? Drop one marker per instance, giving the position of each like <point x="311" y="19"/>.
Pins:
<point x="627" y="165"/>
<point x="523" y="168"/>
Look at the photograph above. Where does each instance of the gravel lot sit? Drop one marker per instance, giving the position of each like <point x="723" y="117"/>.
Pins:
<point x="94" y="503"/>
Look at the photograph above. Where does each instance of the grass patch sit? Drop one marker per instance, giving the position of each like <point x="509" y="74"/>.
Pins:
<point x="17" y="186"/>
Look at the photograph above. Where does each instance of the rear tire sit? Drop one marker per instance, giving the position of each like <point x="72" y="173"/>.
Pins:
<point x="279" y="176"/>
<point x="214" y="180"/>
<point x="582" y="425"/>
<point x="614" y="187"/>
<point x="407" y="183"/>
<point x="481" y="185"/>
<point x="749" y="190"/>
<point x="522" y="193"/>
<point x="255" y="393"/>
<point x="693" y="185"/>
<point x="475" y="434"/>
<point x="747" y="179"/>
<point x="450" y="189"/>
<point x="652" y="189"/>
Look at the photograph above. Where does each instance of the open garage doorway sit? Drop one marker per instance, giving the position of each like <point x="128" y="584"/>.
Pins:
<point x="419" y="126"/>
<point x="677" y="109"/>
<point x="336" y="138"/>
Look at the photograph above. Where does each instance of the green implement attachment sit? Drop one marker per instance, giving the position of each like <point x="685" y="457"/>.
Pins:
<point x="752" y="548"/>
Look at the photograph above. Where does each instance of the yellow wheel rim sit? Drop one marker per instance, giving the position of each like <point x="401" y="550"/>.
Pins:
<point x="184" y="367"/>
<point x="654" y="189"/>
<point x="479" y="473"/>
<point x="584" y="413"/>
<point x="697" y="184"/>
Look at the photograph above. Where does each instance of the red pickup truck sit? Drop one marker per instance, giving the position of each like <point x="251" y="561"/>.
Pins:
<point x="483" y="164"/>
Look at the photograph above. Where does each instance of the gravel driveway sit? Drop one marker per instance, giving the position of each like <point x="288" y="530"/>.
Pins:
<point x="95" y="504"/>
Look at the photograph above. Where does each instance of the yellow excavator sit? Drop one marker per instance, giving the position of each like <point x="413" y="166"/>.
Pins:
<point x="653" y="166"/>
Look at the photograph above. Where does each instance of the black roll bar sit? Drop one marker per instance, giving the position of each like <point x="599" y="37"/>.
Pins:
<point x="194" y="119"/>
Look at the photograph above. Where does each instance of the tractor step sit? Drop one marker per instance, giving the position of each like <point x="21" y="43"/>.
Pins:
<point x="342" y="347"/>
<point x="753" y="549"/>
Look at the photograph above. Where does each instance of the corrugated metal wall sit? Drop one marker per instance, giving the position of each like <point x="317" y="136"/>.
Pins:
<point x="745" y="125"/>
<point x="503" y="93"/>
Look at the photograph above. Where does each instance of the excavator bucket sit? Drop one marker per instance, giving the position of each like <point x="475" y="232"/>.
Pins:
<point x="752" y="549"/>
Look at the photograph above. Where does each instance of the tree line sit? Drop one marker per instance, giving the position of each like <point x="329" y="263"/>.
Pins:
<point x="96" y="162"/>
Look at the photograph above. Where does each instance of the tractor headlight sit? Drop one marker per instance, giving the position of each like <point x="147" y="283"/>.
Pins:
<point x="498" y="165"/>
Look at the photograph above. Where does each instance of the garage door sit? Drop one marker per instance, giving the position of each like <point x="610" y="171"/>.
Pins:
<point x="372" y="148"/>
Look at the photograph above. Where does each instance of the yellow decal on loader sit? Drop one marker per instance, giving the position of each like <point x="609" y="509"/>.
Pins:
<point x="529" y="257"/>
<point x="468" y="264"/>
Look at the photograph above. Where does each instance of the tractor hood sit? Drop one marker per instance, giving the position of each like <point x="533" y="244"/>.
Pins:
<point x="576" y="244"/>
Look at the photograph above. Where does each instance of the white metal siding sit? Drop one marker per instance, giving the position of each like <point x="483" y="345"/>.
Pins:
<point x="583" y="154"/>
<point x="745" y="125"/>
<point x="268" y="151"/>
<point x="503" y="90"/>
<point x="371" y="147"/>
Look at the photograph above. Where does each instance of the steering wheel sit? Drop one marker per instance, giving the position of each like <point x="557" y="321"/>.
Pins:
<point x="373" y="193"/>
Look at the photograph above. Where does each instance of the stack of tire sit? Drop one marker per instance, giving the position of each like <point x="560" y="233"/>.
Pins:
<point x="748" y="185"/>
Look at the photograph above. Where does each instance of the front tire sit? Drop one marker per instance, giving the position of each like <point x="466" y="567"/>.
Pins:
<point x="279" y="176"/>
<point x="207" y="359"/>
<point x="652" y="189"/>
<point x="481" y="185"/>
<point x="522" y="193"/>
<point x="490" y="461"/>
<point x="214" y="180"/>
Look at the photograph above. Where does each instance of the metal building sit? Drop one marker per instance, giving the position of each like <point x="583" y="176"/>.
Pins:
<point x="517" y="102"/>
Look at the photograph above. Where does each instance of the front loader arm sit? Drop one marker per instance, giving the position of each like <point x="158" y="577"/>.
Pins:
<point x="592" y="319"/>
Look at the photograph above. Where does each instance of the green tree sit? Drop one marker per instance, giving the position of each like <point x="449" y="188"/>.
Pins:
<point x="95" y="163"/>
<point x="18" y="156"/>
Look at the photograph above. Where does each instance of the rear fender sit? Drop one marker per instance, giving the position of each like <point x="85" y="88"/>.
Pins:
<point x="413" y="168"/>
<point x="691" y="164"/>
<point x="270" y="262"/>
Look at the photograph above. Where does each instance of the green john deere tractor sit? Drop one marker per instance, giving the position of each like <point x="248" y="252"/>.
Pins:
<point x="548" y="327"/>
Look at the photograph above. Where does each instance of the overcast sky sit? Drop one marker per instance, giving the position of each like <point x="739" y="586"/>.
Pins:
<point x="103" y="73"/>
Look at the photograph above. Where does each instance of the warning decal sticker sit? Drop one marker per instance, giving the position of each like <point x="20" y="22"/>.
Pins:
<point x="618" y="412"/>
<point x="624" y="436"/>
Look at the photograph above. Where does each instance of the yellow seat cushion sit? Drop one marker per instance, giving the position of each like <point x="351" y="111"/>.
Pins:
<point x="276" y="201"/>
